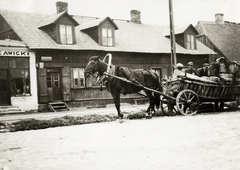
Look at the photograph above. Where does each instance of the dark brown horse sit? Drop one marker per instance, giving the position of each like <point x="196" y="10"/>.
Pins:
<point x="116" y="86"/>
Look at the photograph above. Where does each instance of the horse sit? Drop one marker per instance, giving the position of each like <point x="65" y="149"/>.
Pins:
<point x="140" y="78"/>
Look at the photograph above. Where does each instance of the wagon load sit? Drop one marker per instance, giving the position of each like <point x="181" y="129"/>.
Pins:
<point x="234" y="68"/>
<point x="197" y="78"/>
<point x="229" y="71"/>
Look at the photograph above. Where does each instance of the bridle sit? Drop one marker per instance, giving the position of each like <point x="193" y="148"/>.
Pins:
<point x="100" y="78"/>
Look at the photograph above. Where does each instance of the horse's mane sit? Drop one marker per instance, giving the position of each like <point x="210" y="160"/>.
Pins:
<point x="95" y="58"/>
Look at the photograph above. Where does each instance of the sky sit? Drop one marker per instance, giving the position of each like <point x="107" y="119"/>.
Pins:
<point x="185" y="12"/>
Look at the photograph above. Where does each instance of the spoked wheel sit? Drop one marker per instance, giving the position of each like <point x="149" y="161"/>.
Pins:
<point x="168" y="107"/>
<point x="187" y="102"/>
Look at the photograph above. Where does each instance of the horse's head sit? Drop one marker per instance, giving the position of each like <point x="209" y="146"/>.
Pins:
<point x="213" y="69"/>
<point x="92" y="66"/>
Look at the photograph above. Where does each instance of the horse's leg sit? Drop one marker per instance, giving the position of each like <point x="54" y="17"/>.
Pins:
<point x="116" y="98"/>
<point x="151" y="103"/>
<point x="157" y="101"/>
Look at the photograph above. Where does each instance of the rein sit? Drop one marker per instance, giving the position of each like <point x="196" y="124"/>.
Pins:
<point x="103" y="78"/>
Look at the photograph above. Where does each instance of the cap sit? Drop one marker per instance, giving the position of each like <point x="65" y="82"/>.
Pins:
<point x="190" y="63"/>
<point x="205" y="64"/>
<point x="179" y="65"/>
<point x="220" y="59"/>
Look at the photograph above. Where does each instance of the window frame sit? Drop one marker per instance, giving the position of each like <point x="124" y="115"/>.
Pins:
<point x="77" y="76"/>
<point x="190" y="42"/>
<point x="66" y="37"/>
<point x="88" y="82"/>
<point x="16" y="67"/>
<point x="107" y="37"/>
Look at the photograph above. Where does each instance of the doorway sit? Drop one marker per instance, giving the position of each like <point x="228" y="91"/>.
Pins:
<point x="4" y="87"/>
<point x="54" y="85"/>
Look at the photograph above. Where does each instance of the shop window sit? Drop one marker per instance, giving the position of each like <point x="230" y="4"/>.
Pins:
<point x="66" y="35"/>
<point x="107" y="37"/>
<point x="19" y="76"/>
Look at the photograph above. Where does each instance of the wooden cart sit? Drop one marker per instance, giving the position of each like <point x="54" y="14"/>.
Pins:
<point x="189" y="93"/>
<point x="185" y="95"/>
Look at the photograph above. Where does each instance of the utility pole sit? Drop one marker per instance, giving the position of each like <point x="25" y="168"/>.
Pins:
<point x="172" y="37"/>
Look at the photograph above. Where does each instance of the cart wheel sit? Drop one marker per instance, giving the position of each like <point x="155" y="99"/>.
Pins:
<point x="168" y="107"/>
<point x="187" y="102"/>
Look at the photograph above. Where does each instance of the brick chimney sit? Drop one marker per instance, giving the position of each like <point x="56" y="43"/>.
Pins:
<point x="219" y="18"/>
<point x="135" y="16"/>
<point x="61" y="6"/>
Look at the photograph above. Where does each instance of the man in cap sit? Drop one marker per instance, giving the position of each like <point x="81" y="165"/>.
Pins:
<point x="178" y="71"/>
<point x="191" y="69"/>
<point x="203" y="71"/>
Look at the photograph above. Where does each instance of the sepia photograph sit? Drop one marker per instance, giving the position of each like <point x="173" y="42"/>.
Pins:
<point x="119" y="85"/>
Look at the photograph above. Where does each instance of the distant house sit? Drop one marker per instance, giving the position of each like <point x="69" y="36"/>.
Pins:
<point x="221" y="36"/>
<point x="60" y="45"/>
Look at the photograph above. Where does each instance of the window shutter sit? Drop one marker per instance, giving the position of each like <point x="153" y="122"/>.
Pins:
<point x="66" y="83"/>
<point x="42" y="85"/>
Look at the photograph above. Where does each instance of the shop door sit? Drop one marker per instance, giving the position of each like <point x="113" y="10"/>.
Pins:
<point x="4" y="87"/>
<point x="53" y="86"/>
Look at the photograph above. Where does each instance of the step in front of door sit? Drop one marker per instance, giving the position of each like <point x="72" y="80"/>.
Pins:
<point x="10" y="110"/>
<point x="58" y="106"/>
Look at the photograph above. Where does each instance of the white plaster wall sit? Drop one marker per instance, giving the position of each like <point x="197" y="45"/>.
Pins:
<point x="27" y="103"/>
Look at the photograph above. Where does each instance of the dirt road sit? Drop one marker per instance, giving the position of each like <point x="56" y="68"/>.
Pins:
<point x="201" y="142"/>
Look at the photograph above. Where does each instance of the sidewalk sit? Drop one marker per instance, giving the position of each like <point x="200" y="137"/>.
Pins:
<point x="110" y="109"/>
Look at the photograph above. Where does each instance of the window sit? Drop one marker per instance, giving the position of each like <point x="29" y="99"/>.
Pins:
<point x="19" y="76"/>
<point x="78" y="77"/>
<point x="79" y="80"/>
<point x="53" y="80"/>
<point x="107" y="37"/>
<point x="66" y="35"/>
<point x="190" y="42"/>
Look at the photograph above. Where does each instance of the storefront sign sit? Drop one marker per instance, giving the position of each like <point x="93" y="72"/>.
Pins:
<point x="14" y="53"/>
<point x="46" y="58"/>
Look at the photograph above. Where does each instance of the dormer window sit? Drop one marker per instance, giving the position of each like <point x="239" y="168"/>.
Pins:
<point x="107" y="37"/>
<point x="102" y="31"/>
<point x="66" y="35"/>
<point x="190" y="42"/>
<point x="60" y="27"/>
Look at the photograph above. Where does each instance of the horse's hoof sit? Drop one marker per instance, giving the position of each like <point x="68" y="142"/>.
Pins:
<point x="120" y="120"/>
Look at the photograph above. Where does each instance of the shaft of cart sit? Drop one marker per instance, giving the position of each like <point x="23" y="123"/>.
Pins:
<point x="139" y="85"/>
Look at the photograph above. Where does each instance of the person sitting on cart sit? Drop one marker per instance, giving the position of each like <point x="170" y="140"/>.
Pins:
<point x="203" y="71"/>
<point x="178" y="72"/>
<point x="191" y="69"/>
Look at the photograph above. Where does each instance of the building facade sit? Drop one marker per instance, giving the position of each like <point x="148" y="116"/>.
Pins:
<point x="59" y="46"/>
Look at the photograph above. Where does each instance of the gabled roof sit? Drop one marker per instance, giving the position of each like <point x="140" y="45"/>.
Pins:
<point x="130" y="37"/>
<point x="181" y="30"/>
<point x="55" y="18"/>
<point x="226" y="37"/>
<point x="96" y="23"/>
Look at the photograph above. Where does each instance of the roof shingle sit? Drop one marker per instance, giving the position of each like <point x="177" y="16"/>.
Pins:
<point x="130" y="37"/>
